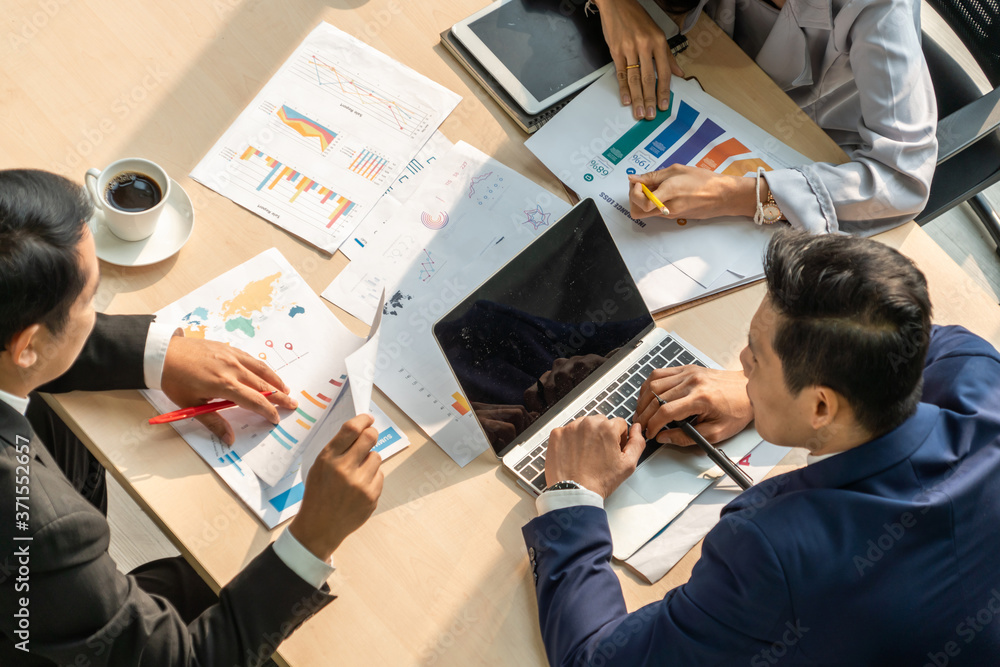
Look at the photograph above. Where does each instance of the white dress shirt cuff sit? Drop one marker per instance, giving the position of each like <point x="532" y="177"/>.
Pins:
<point x="563" y="498"/>
<point x="155" y="354"/>
<point x="301" y="561"/>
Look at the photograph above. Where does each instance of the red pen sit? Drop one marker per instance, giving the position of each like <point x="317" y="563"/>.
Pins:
<point x="187" y="413"/>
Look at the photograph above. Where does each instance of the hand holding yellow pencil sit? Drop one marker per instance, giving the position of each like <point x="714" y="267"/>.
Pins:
<point x="653" y="198"/>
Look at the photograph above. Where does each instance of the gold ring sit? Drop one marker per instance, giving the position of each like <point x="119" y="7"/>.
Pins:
<point x="631" y="66"/>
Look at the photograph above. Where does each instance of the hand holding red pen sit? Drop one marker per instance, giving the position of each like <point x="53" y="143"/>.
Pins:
<point x="197" y="371"/>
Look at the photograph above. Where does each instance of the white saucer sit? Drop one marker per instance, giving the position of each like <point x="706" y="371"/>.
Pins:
<point x="172" y="231"/>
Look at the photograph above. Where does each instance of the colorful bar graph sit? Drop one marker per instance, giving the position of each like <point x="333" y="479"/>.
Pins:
<point x="322" y="397"/>
<point x="744" y="167"/>
<point x="696" y="143"/>
<point x="281" y="435"/>
<point x="231" y="458"/>
<point x="368" y="164"/>
<point x="631" y="139"/>
<point x="306" y="126"/>
<point x="461" y="405"/>
<point x="661" y="143"/>
<point x="303" y="424"/>
<point x="312" y="400"/>
<point x="339" y="383"/>
<point x="278" y="172"/>
<point x="727" y="149"/>
<point x="306" y="415"/>
<point x="290" y="497"/>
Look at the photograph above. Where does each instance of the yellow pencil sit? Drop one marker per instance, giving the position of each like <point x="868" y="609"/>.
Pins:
<point x="649" y="195"/>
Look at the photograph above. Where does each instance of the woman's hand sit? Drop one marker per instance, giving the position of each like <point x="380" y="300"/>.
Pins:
<point x="642" y="58"/>
<point x="692" y="193"/>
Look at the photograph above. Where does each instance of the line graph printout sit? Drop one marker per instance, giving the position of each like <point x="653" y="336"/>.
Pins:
<point x="325" y="137"/>
<point x="594" y="144"/>
<point x="469" y="216"/>
<point x="264" y="308"/>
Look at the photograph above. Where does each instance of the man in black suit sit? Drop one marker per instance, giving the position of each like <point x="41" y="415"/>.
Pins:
<point x="62" y="600"/>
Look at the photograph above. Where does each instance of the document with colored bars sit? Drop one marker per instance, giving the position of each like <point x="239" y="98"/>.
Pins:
<point x="469" y="216"/>
<point x="594" y="144"/>
<point x="323" y="139"/>
<point x="264" y="308"/>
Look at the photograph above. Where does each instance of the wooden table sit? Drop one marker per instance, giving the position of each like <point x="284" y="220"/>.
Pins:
<point x="439" y="574"/>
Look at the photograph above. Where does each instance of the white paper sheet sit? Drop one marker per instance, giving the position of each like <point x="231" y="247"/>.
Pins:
<point x="661" y="553"/>
<point x="264" y="308"/>
<point x="469" y="217"/>
<point x="594" y="143"/>
<point x="323" y="139"/>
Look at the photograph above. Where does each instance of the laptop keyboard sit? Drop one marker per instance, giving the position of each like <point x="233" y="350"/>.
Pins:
<point x="618" y="399"/>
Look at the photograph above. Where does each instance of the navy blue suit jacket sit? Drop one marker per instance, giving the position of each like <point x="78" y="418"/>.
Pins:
<point x="885" y="554"/>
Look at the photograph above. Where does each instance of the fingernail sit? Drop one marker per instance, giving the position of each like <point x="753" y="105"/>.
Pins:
<point x="638" y="112"/>
<point x="229" y="439"/>
<point x="650" y="112"/>
<point x="664" y="104"/>
<point x="295" y="403"/>
<point x="626" y="99"/>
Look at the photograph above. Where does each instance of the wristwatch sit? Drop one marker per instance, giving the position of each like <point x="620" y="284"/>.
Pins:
<point x="768" y="212"/>
<point x="565" y="484"/>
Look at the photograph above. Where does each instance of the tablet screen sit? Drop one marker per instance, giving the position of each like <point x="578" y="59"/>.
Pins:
<point x="547" y="44"/>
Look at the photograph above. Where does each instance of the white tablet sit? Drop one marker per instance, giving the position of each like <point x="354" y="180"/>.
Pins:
<point x="542" y="50"/>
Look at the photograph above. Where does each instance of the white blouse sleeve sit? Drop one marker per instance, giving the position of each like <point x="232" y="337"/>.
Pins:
<point x="888" y="179"/>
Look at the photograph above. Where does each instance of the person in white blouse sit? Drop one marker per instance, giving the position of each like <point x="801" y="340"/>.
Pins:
<point x="855" y="67"/>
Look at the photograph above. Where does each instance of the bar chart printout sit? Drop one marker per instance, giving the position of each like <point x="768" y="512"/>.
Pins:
<point x="266" y="309"/>
<point x="671" y="260"/>
<point x="317" y="147"/>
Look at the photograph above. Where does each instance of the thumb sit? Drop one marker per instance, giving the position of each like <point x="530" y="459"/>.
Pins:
<point x="634" y="446"/>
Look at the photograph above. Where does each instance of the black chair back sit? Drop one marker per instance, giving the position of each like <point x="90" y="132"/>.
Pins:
<point x="977" y="24"/>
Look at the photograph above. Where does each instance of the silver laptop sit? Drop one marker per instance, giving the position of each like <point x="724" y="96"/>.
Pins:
<point x="559" y="332"/>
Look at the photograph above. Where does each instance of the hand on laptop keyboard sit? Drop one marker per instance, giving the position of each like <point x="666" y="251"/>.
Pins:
<point x="718" y="398"/>
<point x="597" y="453"/>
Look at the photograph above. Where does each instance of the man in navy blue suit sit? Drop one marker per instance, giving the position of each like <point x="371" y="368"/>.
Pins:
<point x="883" y="550"/>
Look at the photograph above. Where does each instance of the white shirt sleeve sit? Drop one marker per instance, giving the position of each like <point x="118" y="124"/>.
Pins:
<point x="301" y="561"/>
<point x="155" y="352"/>
<point x="563" y="498"/>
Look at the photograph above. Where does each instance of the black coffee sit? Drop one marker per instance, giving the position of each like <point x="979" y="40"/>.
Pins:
<point x="133" y="192"/>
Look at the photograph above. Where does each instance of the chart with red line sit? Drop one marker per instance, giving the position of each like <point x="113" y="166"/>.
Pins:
<point x="317" y="147"/>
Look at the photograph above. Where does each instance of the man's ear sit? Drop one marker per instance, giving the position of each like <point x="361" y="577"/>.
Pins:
<point x="23" y="346"/>
<point x="826" y="405"/>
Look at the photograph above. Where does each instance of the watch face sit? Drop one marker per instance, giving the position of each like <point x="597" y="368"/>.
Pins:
<point x="771" y="213"/>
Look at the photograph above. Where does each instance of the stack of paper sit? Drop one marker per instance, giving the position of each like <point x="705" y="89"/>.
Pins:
<point x="320" y="143"/>
<point x="266" y="309"/>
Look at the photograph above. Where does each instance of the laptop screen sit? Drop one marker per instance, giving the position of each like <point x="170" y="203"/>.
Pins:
<point x="524" y="340"/>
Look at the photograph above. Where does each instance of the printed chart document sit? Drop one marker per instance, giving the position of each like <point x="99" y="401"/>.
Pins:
<point x="266" y="309"/>
<point x="469" y="216"/>
<point x="323" y="139"/>
<point x="396" y="195"/>
<point x="594" y="144"/>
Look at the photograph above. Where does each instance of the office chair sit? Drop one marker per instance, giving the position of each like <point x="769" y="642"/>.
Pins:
<point x="968" y="140"/>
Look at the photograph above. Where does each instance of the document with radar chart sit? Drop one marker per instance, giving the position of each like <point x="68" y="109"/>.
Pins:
<point x="594" y="144"/>
<point x="321" y="142"/>
<point x="469" y="216"/>
<point x="266" y="309"/>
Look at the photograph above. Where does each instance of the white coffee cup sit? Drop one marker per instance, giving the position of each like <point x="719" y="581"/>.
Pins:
<point x="128" y="225"/>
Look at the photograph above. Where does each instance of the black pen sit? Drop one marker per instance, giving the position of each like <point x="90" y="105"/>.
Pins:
<point x="717" y="455"/>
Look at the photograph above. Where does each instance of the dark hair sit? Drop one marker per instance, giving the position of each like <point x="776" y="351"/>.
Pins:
<point x="42" y="218"/>
<point x="853" y="315"/>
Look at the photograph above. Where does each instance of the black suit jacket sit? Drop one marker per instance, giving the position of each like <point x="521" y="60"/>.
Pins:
<point x="80" y="609"/>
